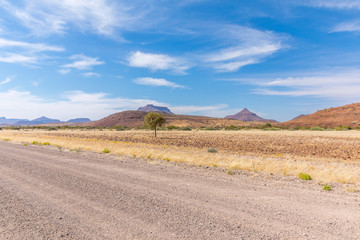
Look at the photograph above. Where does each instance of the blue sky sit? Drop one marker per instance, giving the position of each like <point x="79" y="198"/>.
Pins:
<point x="66" y="59"/>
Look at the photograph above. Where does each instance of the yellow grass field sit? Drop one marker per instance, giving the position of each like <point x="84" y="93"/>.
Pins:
<point x="328" y="156"/>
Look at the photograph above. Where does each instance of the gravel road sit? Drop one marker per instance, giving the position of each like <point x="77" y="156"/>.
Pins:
<point x="48" y="194"/>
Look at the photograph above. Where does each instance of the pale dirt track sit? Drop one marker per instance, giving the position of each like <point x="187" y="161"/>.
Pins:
<point x="47" y="194"/>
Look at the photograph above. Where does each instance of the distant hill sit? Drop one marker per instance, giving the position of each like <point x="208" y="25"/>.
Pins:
<point x="246" y="115"/>
<point x="37" y="121"/>
<point x="300" y="116"/>
<point x="348" y="115"/>
<point x="152" y="108"/>
<point x="10" y="121"/>
<point x="79" y="120"/>
<point x="135" y="119"/>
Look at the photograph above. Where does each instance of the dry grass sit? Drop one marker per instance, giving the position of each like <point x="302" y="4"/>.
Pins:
<point x="192" y="147"/>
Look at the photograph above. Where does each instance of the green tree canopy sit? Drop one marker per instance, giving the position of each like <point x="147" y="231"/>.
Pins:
<point x="154" y="120"/>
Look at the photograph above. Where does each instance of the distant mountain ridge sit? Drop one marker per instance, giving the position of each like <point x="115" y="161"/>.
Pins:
<point x="38" y="121"/>
<point x="246" y="115"/>
<point x="152" y="108"/>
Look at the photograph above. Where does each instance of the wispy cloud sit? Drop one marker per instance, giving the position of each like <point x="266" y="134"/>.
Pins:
<point x="36" y="47"/>
<point x="24" y="52"/>
<point x="343" y="4"/>
<point x="353" y="26"/>
<point x="156" y="62"/>
<point x="24" y="104"/>
<point x="157" y="82"/>
<point x="245" y="46"/>
<point x="342" y="85"/>
<point x="7" y="80"/>
<point x="91" y="74"/>
<point x="81" y="62"/>
<point x="18" y="58"/>
<point x="55" y="17"/>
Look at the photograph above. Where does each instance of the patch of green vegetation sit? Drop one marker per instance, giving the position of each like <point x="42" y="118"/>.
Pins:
<point x="233" y="128"/>
<point x="46" y="143"/>
<point x="326" y="187"/>
<point x="172" y="127"/>
<point x="106" y="150"/>
<point x="185" y="129"/>
<point x="304" y="176"/>
<point x="230" y="172"/>
<point x="214" y="165"/>
<point x="6" y="139"/>
<point x="25" y="144"/>
<point x="212" y="150"/>
<point x="35" y="143"/>
<point x="317" y="128"/>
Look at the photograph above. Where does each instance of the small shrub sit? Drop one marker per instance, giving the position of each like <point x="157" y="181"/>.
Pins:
<point x="106" y="150"/>
<point x="212" y="150"/>
<point x="230" y="172"/>
<point x="6" y="139"/>
<point x="326" y="187"/>
<point x="25" y="144"/>
<point x="233" y="128"/>
<point x="35" y="142"/>
<point x="305" y="176"/>
<point x="172" y="127"/>
<point x="211" y="128"/>
<point x="119" y="128"/>
<point x="167" y="159"/>
<point x="266" y="125"/>
<point x="46" y="143"/>
<point x="317" y="129"/>
<point x="185" y="129"/>
<point x="214" y="165"/>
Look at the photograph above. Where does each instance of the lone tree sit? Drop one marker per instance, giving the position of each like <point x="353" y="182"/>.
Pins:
<point x="154" y="120"/>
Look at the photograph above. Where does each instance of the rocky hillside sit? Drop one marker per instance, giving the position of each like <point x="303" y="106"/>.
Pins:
<point x="348" y="115"/>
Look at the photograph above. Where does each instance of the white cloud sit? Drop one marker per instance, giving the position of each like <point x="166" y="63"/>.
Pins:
<point x="44" y="17"/>
<point x="214" y="111"/>
<point x="37" y="47"/>
<point x="245" y="46"/>
<point x="91" y="74"/>
<point x="342" y="85"/>
<point x="18" y="58"/>
<point x="156" y="62"/>
<point x="24" y="52"/>
<point x="353" y="26"/>
<point x="7" y="80"/>
<point x="157" y="82"/>
<point x="343" y="4"/>
<point x="81" y="62"/>
<point x="23" y="104"/>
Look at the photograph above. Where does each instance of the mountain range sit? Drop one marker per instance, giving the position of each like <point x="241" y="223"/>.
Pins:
<point x="38" y="121"/>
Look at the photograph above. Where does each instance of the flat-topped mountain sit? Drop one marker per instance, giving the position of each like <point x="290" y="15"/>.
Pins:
<point x="246" y="115"/>
<point x="152" y="108"/>
<point x="348" y="115"/>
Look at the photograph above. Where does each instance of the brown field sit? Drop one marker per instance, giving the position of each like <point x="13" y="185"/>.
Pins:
<point x="328" y="156"/>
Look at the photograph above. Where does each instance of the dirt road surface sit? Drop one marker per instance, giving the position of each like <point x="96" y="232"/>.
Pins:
<point x="48" y="194"/>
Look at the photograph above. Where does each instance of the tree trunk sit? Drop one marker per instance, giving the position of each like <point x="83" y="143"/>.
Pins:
<point x="155" y="131"/>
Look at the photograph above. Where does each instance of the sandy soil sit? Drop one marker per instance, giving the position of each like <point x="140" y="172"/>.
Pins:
<point x="48" y="194"/>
